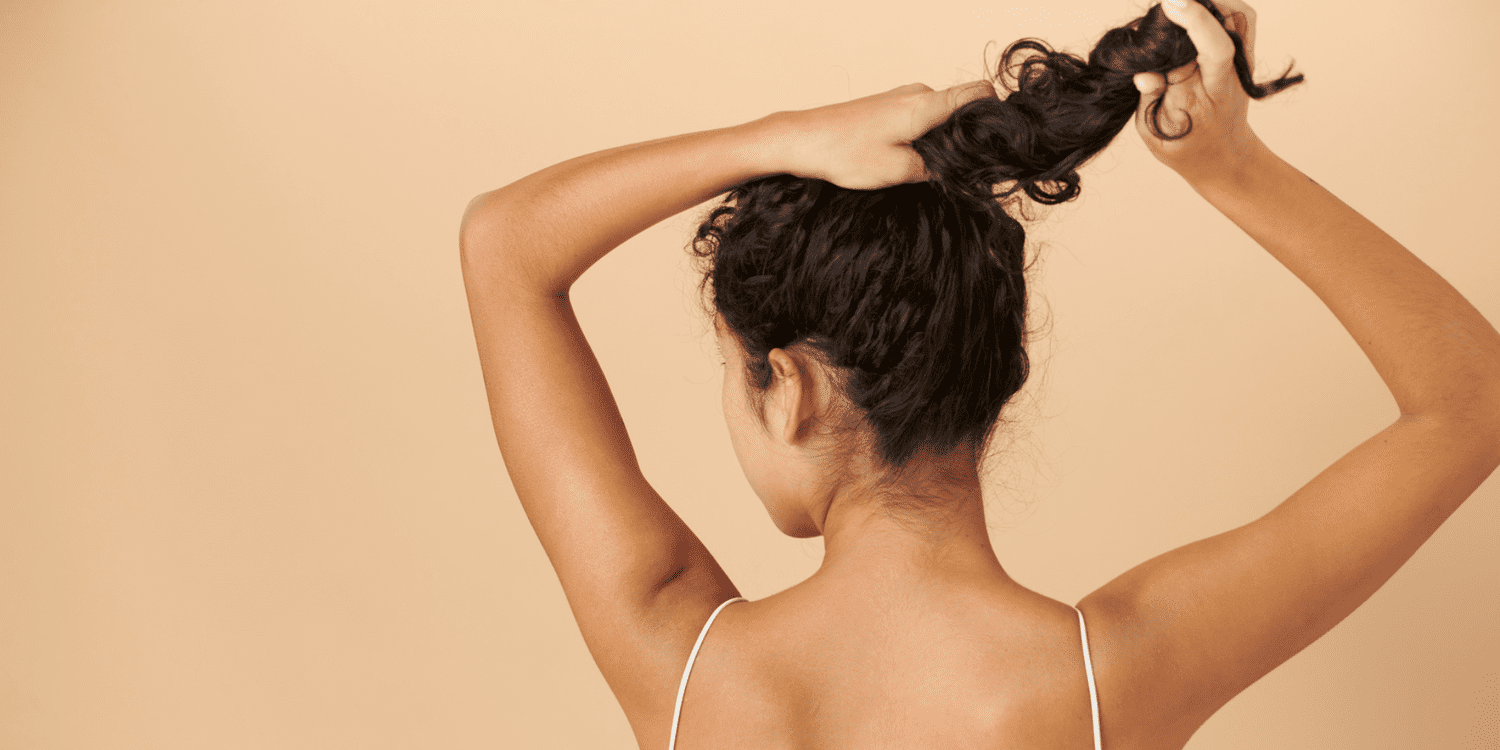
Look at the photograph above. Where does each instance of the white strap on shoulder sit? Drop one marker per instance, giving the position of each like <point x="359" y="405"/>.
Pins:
<point x="682" y="686"/>
<point x="1088" y="667"/>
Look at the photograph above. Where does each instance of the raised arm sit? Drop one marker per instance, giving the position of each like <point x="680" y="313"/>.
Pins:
<point x="638" y="581"/>
<point x="633" y="573"/>
<point x="1201" y="623"/>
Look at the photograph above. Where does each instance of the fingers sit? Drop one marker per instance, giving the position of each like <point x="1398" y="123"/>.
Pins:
<point x="1215" y="48"/>
<point x="1181" y="74"/>
<point x="916" y="169"/>
<point x="1153" y="86"/>
<point x="1241" y="18"/>
<point x="1246" y="29"/>
<point x="968" y="92"/>
<point x="1150" y="85"/>
<point x="937" y="106"/>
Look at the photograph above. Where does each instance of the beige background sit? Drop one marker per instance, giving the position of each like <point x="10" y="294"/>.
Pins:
<point x="250" y="494"/>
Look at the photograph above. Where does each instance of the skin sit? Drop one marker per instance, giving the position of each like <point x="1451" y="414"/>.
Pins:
<point x="911" y="634"/>
<point x="783" y="453"/>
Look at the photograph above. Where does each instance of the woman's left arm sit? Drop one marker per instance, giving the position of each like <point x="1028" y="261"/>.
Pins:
<point x="638" y="581"/>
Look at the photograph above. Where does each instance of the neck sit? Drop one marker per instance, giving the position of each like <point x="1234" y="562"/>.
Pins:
<point x="919" y="531"/>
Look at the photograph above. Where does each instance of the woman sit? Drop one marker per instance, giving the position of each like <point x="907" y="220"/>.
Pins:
<point x="870" y="308"/>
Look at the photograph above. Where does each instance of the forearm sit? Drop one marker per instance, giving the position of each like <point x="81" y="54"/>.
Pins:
<point x="546" y="229"/>
<point x="1435" y="352"/>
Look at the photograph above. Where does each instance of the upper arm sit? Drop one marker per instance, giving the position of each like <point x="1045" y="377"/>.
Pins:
<point x="1203" y="622"/>
<point x="637" y="579"/>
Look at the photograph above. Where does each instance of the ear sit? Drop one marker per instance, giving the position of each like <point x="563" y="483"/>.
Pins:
<point x="793" y="400"/>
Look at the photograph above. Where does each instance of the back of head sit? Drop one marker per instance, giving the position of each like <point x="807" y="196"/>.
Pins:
<point x="915" y="295"/>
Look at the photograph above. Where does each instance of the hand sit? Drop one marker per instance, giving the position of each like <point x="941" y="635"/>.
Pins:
<point x="865" y="144"/>
<point x="1207" y="90"/>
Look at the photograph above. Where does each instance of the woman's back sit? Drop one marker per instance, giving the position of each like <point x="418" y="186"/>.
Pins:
<point x="945" y="664"/>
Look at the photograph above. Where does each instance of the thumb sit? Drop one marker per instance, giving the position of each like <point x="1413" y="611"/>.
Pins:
<point x="1150" y="85"/>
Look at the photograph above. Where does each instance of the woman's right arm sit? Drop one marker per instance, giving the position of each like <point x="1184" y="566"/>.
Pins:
<point x="1201" y="623"/>
<point x="1438" y="356"/>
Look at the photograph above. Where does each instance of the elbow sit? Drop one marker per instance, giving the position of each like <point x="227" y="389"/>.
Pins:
<point x="474" y="206"/>
<point x="488" y="250"/>
<point x="479" y="231"/>
<point x="486" y="236"/>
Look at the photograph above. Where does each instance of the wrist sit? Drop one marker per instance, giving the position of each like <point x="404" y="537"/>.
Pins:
<point x="1236" y="174"/>
<point x="771" y="145"/>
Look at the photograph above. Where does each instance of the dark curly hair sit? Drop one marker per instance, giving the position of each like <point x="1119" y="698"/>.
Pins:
<point x="915" y="294"/>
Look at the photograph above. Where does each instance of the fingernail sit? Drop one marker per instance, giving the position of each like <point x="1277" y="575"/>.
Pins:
<point x="1177" y="4"/>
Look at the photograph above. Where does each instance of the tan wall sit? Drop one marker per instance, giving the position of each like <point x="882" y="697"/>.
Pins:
<point x="250" y="494"/>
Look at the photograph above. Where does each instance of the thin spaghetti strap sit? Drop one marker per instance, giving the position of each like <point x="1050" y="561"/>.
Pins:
<point x="1088" y="667"/>
<point x="682" y="686"/>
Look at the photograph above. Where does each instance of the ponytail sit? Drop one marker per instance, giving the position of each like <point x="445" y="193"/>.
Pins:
<point x="1062" y="111"/>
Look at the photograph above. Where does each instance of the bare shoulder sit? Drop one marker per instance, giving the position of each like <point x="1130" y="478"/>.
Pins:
<point x="1181" y="634"/>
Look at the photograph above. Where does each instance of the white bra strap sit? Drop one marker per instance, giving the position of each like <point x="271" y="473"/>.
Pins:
<point x="1088" y="667"/>
<point x="682" y="686"/>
